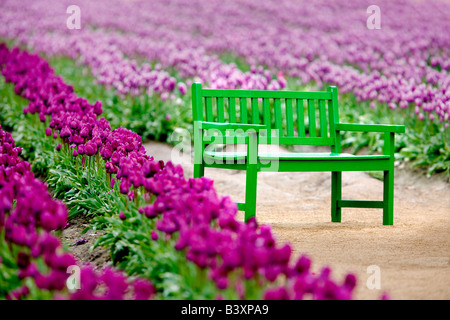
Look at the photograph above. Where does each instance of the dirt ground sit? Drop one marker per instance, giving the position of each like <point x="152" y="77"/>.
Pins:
<point x="73" y="233"/>
<point x="411" y="259"/>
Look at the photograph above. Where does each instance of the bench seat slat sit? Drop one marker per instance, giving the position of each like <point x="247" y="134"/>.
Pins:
<point x="293" y="156"/>
<point x="317" y="141"/>
<point x="305" y="165"/>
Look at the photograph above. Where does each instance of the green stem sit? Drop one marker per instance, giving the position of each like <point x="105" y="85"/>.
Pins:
<point x="89" y="171"/>
<point x="136" y="197"/>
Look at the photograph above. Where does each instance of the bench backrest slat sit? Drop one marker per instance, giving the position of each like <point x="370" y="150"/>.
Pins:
<point x="220" y="110"/>
<point x="278" y="117"/>
<point x="209" y="109"/>
<point x="243" y="109"/>
<point x="311" y="118"/>
<point x="267" y="113"/>
<point x="232" y="109"/>
<point x="323" y="118"/>
<point x="255" y="110"/>
<point x="291" y="117"/>
<point x="301" y="118"/>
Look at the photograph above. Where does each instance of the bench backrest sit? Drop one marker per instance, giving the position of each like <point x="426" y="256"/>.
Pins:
<point x="293" y="117"/>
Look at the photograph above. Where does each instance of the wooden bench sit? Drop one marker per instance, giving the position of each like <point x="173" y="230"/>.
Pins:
<point x="254" y="118"/>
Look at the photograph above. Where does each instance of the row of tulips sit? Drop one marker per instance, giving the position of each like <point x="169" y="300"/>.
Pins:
<point x="403" y="65"/>
<point x="187" y="210"/>
<point x="29" y="217"/>
<point x="106" y="54"/>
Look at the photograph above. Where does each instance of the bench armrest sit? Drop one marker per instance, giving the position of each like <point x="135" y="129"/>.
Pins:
<point x="222" y="127"/>
<point x="370" y="127"/>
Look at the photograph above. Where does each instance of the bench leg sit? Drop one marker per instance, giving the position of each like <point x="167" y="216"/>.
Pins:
<point x="388" y="197"/>
<point x="199" y="170"/>
<point x="336" y="195"/>
<point x="250" y="192"/>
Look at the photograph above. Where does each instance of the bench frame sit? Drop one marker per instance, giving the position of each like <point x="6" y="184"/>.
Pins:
<point x="206" y="129"/>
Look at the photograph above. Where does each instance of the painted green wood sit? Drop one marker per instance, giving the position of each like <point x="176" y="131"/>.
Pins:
<point x="265" y="94"/>
<point x="197" y="104"/>
<point x="370" y="127"/>
<point x="388" y="197"/>
<point x="334" y="119"/>
<point x="243" y="108"/>
<point x="209" y="109"/>
<point x="360" y="204"/>
<point x="289" y="118"/>
<point x="220" y="110"/>
<point x="230" y="126"/>
<point x="267" y="120"/>
<point x="266" y="112"/>
<point x="282" y="141"/>
<point x="232" y="109"/>
<point x="388" y="148"/>
<point x="312" y="118"/>
<point x="302" y="166"/>
<point x="323" y="118"/>
<point x="251" y="176"/>
<point x="331" y="123"/>
<point x="218" y="132"/>
<point x="388" y="179"/>
<point x="255" y="110"/>
<point x="278" y="117"/>
<point x="199" y="169"/>
<point x="336" y="195"/>
<point x="293" y="156"/>
<point x="300" y="118"/>
<point x="324" y="165"/>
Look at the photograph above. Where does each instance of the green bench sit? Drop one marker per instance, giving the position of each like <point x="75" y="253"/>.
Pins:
<point x="252" y="118"/>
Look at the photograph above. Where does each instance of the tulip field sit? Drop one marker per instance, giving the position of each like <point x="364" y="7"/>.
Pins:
<point x="79" y="102"/>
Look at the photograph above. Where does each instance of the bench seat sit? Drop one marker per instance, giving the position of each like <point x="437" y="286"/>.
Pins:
<point x="241" y="156"/>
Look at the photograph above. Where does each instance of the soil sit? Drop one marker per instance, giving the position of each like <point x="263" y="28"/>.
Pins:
<point x="98" y="257"/>
<point x="411" y="259"/>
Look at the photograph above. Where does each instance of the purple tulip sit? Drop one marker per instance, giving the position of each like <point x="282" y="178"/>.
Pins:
<point x="90" y="149"/>
<point x="143" y="289"/>
<point x="276" y="294"/>
<point x="182" y="88"/>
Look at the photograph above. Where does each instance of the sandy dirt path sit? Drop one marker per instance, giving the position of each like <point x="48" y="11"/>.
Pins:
<point x="411" y="258"/>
